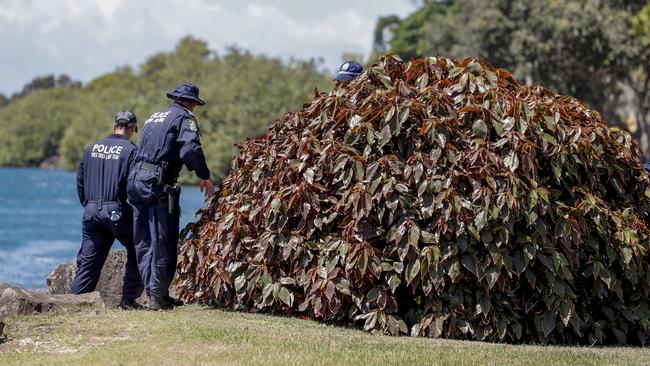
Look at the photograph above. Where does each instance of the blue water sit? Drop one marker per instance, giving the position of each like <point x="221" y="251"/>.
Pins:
<point x="40" y="222"/>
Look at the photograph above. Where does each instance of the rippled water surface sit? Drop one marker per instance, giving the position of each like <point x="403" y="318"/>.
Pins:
<point x="40" y="222"/>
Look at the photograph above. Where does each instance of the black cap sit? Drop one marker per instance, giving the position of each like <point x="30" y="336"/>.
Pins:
<point x="349" y="70"/>
<point x="125" y="117"/>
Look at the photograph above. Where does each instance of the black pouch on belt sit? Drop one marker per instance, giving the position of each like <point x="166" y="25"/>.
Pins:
<point x="173" y="198"/>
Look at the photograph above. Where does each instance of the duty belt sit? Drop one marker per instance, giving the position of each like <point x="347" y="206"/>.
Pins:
<point x="100" y="202"/>
<point x="148" y="167"/>
<point x="159" y="170"/>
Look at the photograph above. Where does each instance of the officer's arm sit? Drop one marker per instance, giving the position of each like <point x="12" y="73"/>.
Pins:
<point x="80" y="180"/>
<point x="131" y="161"/>
<point x="190" y="148"/>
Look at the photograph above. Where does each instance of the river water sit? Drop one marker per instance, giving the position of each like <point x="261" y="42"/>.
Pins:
<point x="40" y="222"/>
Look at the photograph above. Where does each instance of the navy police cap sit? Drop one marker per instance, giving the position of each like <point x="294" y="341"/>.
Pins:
<point x="186" y="91"/>
<point x="349" y="70"/>
<point x="125" y="117"/>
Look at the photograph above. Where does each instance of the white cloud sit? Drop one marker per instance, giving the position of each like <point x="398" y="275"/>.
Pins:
<point x="90" y="37"/>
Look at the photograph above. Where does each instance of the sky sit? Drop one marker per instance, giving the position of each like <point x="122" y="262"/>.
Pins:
<point x="86" y="38"/>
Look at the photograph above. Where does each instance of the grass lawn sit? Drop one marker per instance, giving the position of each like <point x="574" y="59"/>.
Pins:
<point x="194" y="335"/>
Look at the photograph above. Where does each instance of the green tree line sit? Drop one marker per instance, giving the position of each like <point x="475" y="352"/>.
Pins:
<point x="595" y="50"/>
<point x="243" y="93"/>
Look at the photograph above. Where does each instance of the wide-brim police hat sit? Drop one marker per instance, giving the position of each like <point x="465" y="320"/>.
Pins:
<point x="187" y="91"/>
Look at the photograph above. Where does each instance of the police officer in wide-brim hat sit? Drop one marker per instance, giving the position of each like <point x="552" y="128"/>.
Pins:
<point x="101" y="186"/>
<point x="170" y="139"/>
<point x="349" y="70"/>
<point x="186" y="92"/>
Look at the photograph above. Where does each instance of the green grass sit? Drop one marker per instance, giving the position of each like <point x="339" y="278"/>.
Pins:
<point x="193" y="335"/>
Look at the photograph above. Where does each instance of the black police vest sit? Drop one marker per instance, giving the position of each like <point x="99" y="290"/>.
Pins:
<point x="104" y="169"/>
<point x="172" y="136"/>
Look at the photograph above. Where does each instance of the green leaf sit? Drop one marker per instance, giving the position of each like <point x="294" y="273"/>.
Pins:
<point x="548" y="323"/>
<point x="414" y="235"/>
<point x="393" y="282"/>
<point x="508" y="123"/>
<point x="480" y="128"/>
<point x="363" y="262"/>
<point x="340" y="162"/>
<point x="412" y="270"/>
<point x="240" y="281"/>
<point x="501" y="328"/>
<point x="468" y="262"/>
<point x="427" y="237"/>
<point x="511" y="161"/>
<point x="550" y="139"/>
<point x="532" y="199"/>
<point x="455" y="72"/>
<point x="385" y="136"/>
<point x="372" y="294"/>
<point x="480" y="220"/>
<point x="359" y="170"/>
<point x="454" y="270"/>
<point x="285" y="296"/>
<point x="287" y="281"/>
<point x="330" y="289"/>
<point x="520" y="264"/>
<point x="566" y="311"/>
<point x="309" y="175"/>
<point x="492" y="275"/>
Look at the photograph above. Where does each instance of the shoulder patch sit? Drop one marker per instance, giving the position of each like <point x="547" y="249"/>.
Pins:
<point x="191" y="124"/>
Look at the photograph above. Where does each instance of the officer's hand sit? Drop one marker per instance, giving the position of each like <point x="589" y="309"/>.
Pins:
<point x="207" y="187"/>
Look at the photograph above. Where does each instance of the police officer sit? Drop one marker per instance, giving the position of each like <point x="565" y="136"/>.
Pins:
<point x="349" y="71"/>
<point x="101" y="186"/>
<point x="170" y="138"/>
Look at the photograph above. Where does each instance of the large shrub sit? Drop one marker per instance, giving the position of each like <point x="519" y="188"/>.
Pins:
<point x="438" y="198"/>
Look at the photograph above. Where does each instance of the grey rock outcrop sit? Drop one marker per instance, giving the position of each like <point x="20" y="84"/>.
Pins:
<point x="50" y="163"/>
<point x="59" y="281"/>
<point x="18" y="301"/>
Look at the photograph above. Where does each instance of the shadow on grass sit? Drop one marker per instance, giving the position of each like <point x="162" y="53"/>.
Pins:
<point x="347" y="326"/>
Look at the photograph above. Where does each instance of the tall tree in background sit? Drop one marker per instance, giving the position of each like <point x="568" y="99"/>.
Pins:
<point x="243" y="93"/>
<point x="585" y="48"/>
<point x="638" y="79"/>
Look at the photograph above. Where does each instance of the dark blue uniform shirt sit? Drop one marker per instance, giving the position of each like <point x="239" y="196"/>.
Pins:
<point x="104" y="168"/>
<point x="172" y="136"/>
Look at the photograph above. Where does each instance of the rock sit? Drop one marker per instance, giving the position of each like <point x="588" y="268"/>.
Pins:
<point x="51" y="163"/>
<point x="18" y="301"/>
<point x="2" y="327"/>
<point x="110" y="282"/>
<point x="59" y="281"/>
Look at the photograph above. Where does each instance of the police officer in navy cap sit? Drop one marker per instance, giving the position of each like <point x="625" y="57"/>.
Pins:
<point x="170" y="139"/>
<point x="101" y="186"/>
<point x="349" y="71"/>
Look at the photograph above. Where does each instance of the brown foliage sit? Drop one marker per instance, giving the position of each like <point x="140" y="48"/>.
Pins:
<point x="439" y="198"/>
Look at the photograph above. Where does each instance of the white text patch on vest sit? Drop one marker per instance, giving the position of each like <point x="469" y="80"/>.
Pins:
<point x="106" y="152"/>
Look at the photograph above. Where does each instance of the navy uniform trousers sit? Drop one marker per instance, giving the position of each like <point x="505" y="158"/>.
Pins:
<point x="98" y="235"/>
<point x="156" y="240"/>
